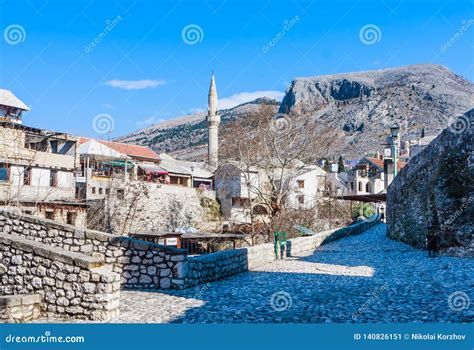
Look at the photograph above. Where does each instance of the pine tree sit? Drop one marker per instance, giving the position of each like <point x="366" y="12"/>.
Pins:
<point x="340" y="165"/>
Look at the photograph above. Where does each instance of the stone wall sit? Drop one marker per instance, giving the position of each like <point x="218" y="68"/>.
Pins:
<point x="147" y="265"/>
<point x="141" y="264"/>
<point x="19" y="308"/>
<point x="59" y="212"/>
<point x="69" y="284"/>
<point x="151" y="206"/>
<point x="437" y="186"/>
<point x="211" y="267"/>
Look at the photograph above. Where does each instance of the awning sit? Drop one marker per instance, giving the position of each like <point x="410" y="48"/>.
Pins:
<point x="98" y="151"/>
<point x="153" y="169"/>
<point x="120" y="163"/>
<point x="368" y="198"/>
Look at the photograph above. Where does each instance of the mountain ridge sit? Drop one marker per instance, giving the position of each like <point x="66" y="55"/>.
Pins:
<point x="423" y="99"/>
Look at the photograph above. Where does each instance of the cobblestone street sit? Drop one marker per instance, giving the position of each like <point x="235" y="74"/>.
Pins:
<point x="364" y="278"/>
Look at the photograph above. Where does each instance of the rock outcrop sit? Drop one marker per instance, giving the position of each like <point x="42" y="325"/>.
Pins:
<point x="437" y="185"/>
<point x="363" y="105"/>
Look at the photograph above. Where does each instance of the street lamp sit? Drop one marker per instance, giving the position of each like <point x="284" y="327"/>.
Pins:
<point x="394" y="130"/>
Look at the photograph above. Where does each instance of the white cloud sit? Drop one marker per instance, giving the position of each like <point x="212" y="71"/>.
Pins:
<point x="134" y="84"/>
<point x="237" y="99"/>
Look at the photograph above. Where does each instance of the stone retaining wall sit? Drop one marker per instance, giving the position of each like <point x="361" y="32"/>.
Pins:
<point x="141" y="264"/>
<point x="147" y="265"/>
<point x="71" y="285"/>
<point x="211" y="267"/>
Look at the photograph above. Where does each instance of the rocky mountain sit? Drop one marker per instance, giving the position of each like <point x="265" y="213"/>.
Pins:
<point x="186" y="137"/>
<point x="422" y="99"/>
<point x="363" y="105"/>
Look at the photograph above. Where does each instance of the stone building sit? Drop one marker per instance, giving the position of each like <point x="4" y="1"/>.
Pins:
<point x="130" y="189"/>
<point x="239" y="189"/>
<point x="187" y="173"/>
<point x="307" y="188"/>
<point x="37" y="167"/>
<point x="369" y="176"/>
<point x="107" y="164"/>
<point x="236" y="189"/>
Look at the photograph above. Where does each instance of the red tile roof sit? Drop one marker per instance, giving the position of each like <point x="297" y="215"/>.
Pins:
<point x="379" y="163"/>
<point x="134" y="151"/>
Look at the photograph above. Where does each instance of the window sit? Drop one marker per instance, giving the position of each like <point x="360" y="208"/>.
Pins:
<point x="27" y="176"/>
<point x="301" y="199"/>
<point x="53" y="178"/>
<point x="107" y="191"/>
<point x="93" y="190"/>
<point x="300" y="183"/>
<point x="4" y="173"/>
<point x="49" y="215"/>
<point x="71" y="218"/>
<point x="360" y="186"/>
<point x="367" y="187"/>
<point x="352" y="186"/>
<point x="120" y="194"/>
<point x="100" y="190"/>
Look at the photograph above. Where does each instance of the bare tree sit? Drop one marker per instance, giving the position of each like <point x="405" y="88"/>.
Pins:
<point x="118" y="211"/>
<point x="279" y="147"/>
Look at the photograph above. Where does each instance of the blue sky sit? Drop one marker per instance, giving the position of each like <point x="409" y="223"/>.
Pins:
<point x="145" y="67"/>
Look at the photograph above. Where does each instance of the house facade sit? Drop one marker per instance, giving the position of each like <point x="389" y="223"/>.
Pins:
<point x="306" y="188"/>
<point x="37" y="169"/>
<point x="367" y="177"/>
<point x="236" y="190"/>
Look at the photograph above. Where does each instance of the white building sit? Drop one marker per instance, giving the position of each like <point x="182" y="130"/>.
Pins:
<point x="236" y="189"/>
<point x="367" y="177"/>
<point x="307" y="188"/>
<point x="239" y="189"/>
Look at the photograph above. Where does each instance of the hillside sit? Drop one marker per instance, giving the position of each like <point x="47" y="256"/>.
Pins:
<point x="186" y="137"/>
<point x="362" y="105"/>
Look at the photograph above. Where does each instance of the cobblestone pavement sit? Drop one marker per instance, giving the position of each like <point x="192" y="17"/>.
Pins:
<point x="364" y="278"/>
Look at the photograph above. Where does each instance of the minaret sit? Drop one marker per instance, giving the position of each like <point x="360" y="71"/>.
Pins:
<point x="213" y="121"/>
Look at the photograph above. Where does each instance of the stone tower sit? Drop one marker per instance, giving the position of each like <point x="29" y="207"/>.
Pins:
<point x="213" y="121"/>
